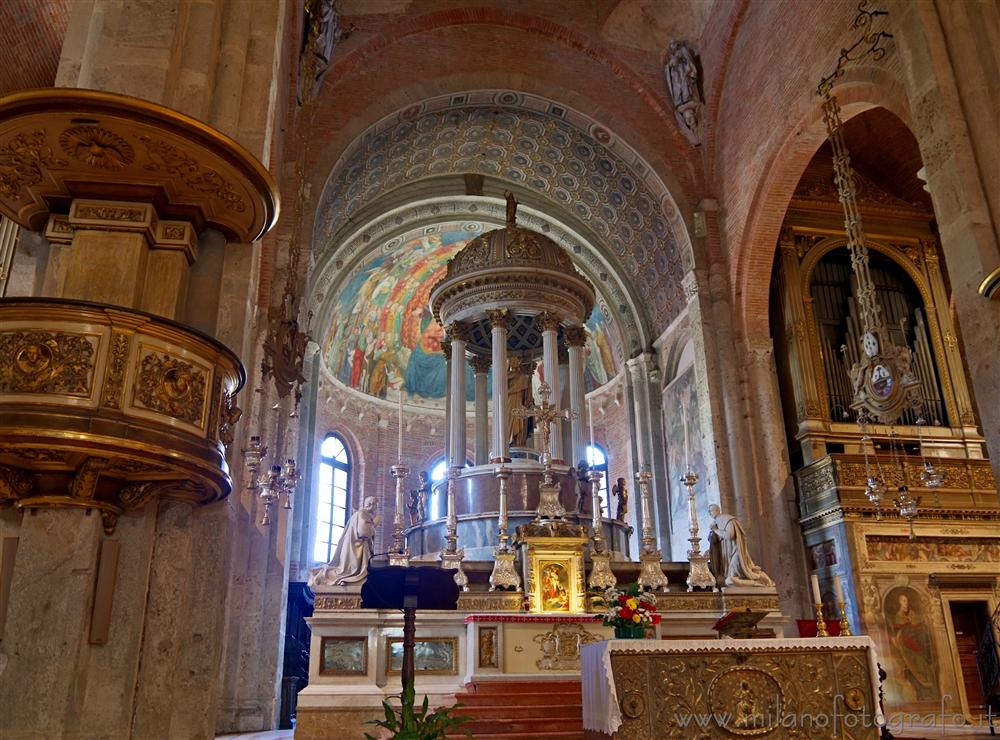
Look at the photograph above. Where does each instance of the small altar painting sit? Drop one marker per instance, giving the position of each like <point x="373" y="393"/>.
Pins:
<point x="555" y="586"/>
<point x="436" y="655"/>
<point x="343" y="656"/>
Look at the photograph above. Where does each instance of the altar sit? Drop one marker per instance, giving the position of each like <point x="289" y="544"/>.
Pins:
<point x="814" y="687"/>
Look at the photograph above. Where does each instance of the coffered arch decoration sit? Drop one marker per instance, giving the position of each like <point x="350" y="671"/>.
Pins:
<point x="574" y="168"/>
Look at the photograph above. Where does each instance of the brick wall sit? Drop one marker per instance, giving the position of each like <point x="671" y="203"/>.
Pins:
<point x="31" y="36"/>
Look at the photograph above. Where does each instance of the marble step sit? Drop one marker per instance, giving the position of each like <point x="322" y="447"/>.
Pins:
<point x="547" y="698"/>
<point x="534" y="735"/>
<point x="538" y="725"/>
<point x="503" y="712"/>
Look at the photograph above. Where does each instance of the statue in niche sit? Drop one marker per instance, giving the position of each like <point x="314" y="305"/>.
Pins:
<point x="684" y="83"/>
<point x="349" y="564"/>
<point x="621" y="496"/>
<point x="519" y="395"/>
<point x="729" y="555"/>
<point x="581" y="483"/>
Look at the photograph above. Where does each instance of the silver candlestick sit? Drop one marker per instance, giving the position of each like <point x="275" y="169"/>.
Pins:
<point x="651" y="575"/>
<point x="400" y="554"/>
<point x="601" y="576"/>
<point x="699" y="576"/>
<point x="452" y="557"/>
<point x="504" y="575"/>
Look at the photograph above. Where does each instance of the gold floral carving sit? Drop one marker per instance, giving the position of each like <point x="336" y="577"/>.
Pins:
<point x="171" y="386"/>
<point x="111" y="213"/>
<point x="741" y="694"/>
<point x="560" y="646"/>
<point x="84" y="484"/>
<point x="21" y="162"/>
<point x="46" y="362"/>
<point x="486" y="602"/>
<point x="14" y="483"/>
<point x="175" y="232"/>
<point x="816" y="482"/>
<point x="167" y="157"/>
<point x="40" y="455"/>
<point x="231" y="413"/>
<point x="97" y="147"/>
<point x="328" y="602"/>
<point x="114" y="377"/>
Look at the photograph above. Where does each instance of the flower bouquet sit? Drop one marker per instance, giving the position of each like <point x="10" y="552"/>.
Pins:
<point x="629" y="611"/>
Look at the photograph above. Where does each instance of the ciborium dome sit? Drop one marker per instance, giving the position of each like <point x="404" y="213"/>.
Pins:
<point x="516" y="269"/>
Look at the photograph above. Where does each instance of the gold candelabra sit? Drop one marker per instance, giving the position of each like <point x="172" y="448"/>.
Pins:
<point x="651" y="575"/>
<point x="820" y="622"/>
<point x="845" y="626"/>
<point x="699" y="575"/>
<point x="601" y="575"/>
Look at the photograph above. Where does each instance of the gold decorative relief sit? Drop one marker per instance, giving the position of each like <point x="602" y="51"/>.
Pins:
<point x="231" y="414"/>
<point x="22" y="160"/>
<point x="751" y="697"/>
<point x="560" y="646"/>
<point x="14" y="483"/>
<point x="84" y="484"/>
<point x="97" y="147"/>
<point x="129" y="214"/>
<point x="170" y="159"/>
<point x="327" y="602"/>
<point x="34" y="455"/>
<point x="488" y="647"/>
<point x="171" y="386"/>
<point x="114" y="378"/>
<point x="46" y="362"/>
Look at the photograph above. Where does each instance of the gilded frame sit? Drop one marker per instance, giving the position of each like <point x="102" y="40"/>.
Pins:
<point x="452" y="642"/>
<point x="326" y="639"/>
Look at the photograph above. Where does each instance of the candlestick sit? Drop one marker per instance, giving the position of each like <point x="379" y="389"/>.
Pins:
<point x="400" y="555"/>
<point x="399" y="453"/>
<point x="845" y="626"/>
<point x="820" y="622"/>
<point x="817" y="598"/>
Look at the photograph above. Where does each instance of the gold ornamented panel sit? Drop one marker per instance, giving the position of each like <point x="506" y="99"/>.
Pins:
<point x="48" y="362"/>
<point x="172" y="386"/>
<point x="489" y="648"/>
<point x="61" y="143"/>
<point x="772" y="694"/>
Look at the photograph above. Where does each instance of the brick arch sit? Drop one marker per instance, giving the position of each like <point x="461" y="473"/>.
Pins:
<point x="860" y="89"/>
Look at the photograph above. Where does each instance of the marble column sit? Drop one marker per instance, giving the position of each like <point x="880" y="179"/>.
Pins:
<point x="446" y="349"/>
<point x="549" y="325"/>
<point x="576" y="339"/>
<point x="644" y="379"/>
<point x="500" y="452"/>
<point x="480" y="370"/>
<point x="459" y="334"/>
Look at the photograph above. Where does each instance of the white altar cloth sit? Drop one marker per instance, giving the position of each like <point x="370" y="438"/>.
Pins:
<point x="601" y="710"/>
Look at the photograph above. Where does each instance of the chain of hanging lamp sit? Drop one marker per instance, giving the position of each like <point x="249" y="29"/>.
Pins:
<point x="869" y="44"/>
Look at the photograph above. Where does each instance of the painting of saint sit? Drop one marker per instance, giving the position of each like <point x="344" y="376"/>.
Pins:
<point x="600" y="364"/>
<point x="555" y="587"/>
<point x="916" y="669"/>
<point x="680" y="400"/>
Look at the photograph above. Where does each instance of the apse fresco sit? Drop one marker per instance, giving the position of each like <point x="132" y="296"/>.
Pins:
<point x="382" y="336"/>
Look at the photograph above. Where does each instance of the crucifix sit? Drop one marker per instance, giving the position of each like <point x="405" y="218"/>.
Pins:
<point x="544" y="415"/>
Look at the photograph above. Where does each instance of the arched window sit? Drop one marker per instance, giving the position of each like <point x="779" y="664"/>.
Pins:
<point x="597" y="460"/>
<point x="439" y="472"/>
<point x="333" y="496"/>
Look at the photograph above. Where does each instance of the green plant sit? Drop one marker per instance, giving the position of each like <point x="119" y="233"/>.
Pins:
<point x="410" y="723"/>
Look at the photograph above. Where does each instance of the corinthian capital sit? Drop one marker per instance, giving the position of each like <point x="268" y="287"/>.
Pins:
<point x="576" y="336"/>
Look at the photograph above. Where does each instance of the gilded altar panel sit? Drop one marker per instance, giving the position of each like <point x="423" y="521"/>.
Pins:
<point x="46" y="362"/>
<point x="171" y="384"/>
<point x="783" y="693"/>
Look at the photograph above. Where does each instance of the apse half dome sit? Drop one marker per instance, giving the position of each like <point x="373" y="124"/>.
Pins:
<point x="382" y="336"/>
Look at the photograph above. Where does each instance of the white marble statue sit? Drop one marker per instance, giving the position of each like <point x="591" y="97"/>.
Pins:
<point x="728" y="545"/>
<point x="349" y="564"/>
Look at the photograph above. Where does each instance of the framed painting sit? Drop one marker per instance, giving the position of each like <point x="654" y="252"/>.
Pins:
<point x="555" y="585"/>
<point x="431" y="655"/>
<point x="343" y="656"/>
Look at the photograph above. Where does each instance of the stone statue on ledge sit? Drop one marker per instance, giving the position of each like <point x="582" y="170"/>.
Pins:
<point x="349" y="564"/>
<point x="581" y="484"/>
<point x="621" y="495"/>
<point x="729" y="555"/>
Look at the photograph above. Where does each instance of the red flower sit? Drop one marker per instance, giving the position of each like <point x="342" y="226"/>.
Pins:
<point x="625" y="613"/>
<point x="650" y="607"/>
<point x="656" y="619"/>
<point x="622" y="599"/>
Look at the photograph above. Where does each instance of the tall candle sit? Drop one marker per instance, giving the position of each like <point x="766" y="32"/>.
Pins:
<point x="838" y="588"/>
<point x="590" y="418"/>
<point x="399" y="452"/>
<point x="687" y="444"/>
<point x="817" y="599"/>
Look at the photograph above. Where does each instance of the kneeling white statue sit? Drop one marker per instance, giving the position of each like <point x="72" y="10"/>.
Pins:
<point x="729" y="555"/>
<point x="349" y="563"/>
